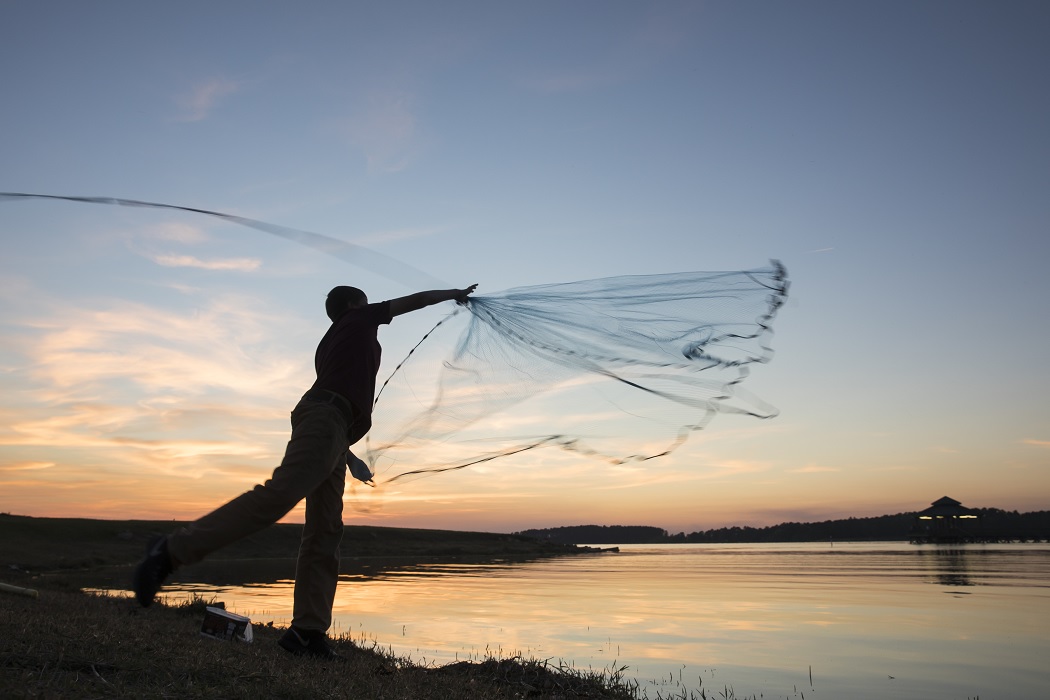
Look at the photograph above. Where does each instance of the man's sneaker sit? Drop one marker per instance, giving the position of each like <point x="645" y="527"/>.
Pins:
<point x="151" y="571"/>
<point x="307" y="643"/>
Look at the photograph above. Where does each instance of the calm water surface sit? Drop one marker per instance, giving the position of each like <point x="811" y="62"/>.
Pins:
<point x="871" y="620"/>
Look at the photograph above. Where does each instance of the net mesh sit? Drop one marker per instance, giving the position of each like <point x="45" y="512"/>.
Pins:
<point x="621" y="368"/>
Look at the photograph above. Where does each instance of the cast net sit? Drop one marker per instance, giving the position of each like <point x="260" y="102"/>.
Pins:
<point x="620" y="368"/>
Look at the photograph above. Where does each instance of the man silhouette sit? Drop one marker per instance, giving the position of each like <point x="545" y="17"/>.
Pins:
<point x="334" y="414"/>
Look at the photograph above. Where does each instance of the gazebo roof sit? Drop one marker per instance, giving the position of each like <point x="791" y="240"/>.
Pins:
<point x="946" y="506"/>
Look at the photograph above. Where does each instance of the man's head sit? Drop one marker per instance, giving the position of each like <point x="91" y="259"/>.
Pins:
<point x="340" y="299"/>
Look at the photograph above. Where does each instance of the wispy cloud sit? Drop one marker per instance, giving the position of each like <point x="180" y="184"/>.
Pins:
<point x="116" y="393"/>
<point x="386" y="130"/>
<point x="175" y="260"/>
<point x="200" y="100"/>
<point x="157" y="350"/>
<point x="147" y="240"/>
<point x="1037" y="443"/>
<point x="25" y="466"/>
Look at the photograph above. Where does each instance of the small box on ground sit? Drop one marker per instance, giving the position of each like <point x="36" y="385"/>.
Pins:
<point x="219" y="624"/>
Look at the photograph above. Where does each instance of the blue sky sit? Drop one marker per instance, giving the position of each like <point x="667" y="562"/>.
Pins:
<point x="893" y="155"/>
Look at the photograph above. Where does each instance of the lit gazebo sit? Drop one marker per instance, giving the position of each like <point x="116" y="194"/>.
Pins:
<point x="946" y="521"/>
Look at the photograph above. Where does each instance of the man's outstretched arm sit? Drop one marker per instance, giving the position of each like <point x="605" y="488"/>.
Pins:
<point x="412" y="302"/>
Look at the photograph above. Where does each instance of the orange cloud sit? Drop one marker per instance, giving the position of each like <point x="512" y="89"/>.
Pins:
<point x="25" y="466"/>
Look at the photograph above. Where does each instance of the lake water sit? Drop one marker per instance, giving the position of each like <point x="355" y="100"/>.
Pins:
<point x="870" y="620"/>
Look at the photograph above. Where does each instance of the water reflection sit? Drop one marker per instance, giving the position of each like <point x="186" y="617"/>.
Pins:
<point x="950" y="564"/>
<point x="266" y="571"/>
<point x="229" y="573"/>
<point x="756" y="617"/>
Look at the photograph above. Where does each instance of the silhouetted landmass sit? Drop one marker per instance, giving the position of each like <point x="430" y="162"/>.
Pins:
<point x="995" y="524"/>
<point x="80" y="543"/>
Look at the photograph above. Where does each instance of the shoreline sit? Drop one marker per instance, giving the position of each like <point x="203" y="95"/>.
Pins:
<point x="80" y="543"/>
<point x="70" y="554"/>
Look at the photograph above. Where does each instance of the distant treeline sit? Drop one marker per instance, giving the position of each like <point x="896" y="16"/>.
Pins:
<point x="994" y="523"/>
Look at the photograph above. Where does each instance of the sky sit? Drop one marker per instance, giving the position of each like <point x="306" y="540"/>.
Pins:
<point x="894" y="156"/>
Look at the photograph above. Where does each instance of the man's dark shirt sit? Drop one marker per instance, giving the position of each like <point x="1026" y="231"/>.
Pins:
<point x="347" y="358"/>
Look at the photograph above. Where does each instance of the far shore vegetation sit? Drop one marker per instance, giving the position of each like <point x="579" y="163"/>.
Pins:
<point x="996" y="525"/>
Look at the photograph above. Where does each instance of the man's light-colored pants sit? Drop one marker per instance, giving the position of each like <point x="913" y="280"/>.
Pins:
<point x="314" y="468"/>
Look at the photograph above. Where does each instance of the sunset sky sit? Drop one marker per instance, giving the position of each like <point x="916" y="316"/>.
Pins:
<point x="894" y="156"/>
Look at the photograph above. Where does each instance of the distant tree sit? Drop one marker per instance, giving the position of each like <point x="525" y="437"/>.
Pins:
<point x="600" y="534"/>
<point x="995" y="523"/>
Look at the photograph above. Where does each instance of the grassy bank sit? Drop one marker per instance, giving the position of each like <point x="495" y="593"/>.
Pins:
<point x="67" y="644"/>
